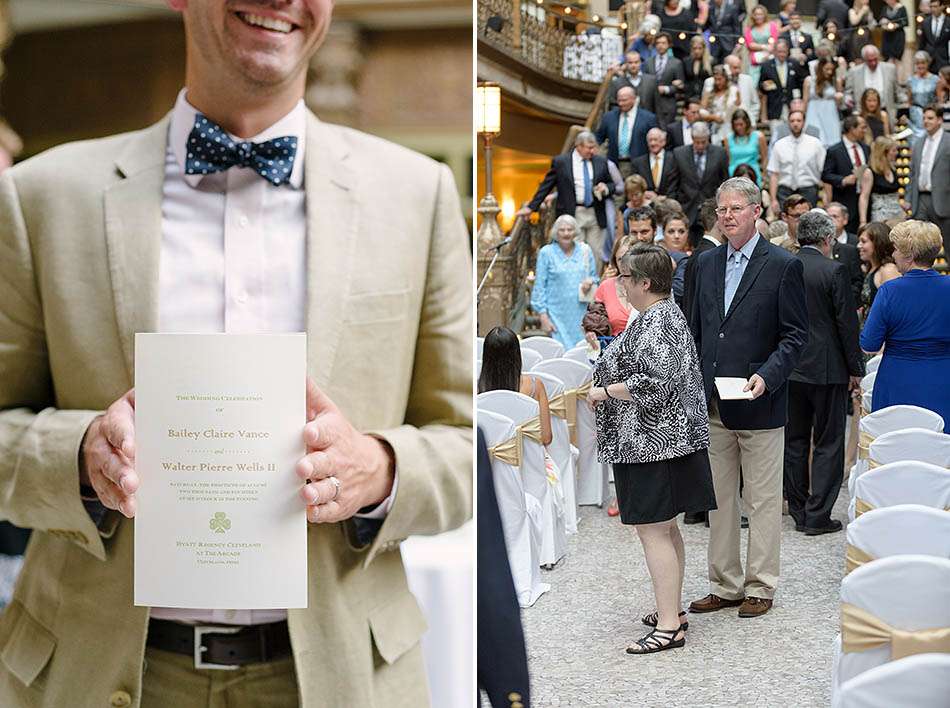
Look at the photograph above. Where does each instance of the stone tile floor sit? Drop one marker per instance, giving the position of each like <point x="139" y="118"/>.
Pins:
<point x="577" y="632"/>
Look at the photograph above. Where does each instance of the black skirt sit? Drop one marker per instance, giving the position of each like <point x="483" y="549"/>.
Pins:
<point x="650" y="492"/>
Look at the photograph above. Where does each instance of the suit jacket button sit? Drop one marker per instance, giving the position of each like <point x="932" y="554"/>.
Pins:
<point x="120" y="699"/>
<point x="514" y="696"/>
<point x="722" y="336"/>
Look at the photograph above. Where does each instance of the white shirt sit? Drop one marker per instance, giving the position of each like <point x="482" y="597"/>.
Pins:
<point x="577" y="165"/>
<point x="874" y="79"/>
<point x="687" y="132"/>
<point x="797" y="161"/>
<point x="931" y="143"/>
<point x="842" y="237"/>
<point x="233" y="259"/>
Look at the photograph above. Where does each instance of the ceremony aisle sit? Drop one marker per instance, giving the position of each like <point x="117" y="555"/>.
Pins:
<point x="576" y="633"/>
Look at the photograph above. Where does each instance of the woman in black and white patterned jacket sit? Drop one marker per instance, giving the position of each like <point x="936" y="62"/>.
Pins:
<point x="652" y="425"/>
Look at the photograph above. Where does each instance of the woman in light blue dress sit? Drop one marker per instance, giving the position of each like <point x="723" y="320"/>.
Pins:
<point x="821" y="99"/>
<point x="745" y="146"/>
<point x="565" y="281"/>
<point x="923" y="92"/>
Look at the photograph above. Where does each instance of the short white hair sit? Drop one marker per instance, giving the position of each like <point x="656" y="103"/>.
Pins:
<point x="563" y="220"/>
<point x="699" y="130"/>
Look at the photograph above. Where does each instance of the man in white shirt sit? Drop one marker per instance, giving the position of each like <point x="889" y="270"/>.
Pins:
<point x="238" y="212"/>
<point x="881" y="76"/>
<point x="795" y="164"/>
<point x="929" y="189"/>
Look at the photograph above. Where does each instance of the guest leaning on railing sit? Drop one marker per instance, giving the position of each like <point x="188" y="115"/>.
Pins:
<point x="652" y="426"/>
<point x="910" y="319"/>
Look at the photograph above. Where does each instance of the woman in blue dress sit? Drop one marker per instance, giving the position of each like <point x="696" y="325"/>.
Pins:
<point x="745" y="146"/>
<point x="923" y="92"/>
<point x="565" y="281"/>
<point x="822" y="96"/>
<point x="909" y="319"/>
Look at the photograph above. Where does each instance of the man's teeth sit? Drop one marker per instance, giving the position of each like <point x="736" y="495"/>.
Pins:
<point x="266" y="22"/>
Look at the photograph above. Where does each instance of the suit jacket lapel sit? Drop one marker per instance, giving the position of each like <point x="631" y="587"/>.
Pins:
<point x="721" y="282"/>
<point x="333" y="212"/>
<point x="759" y="256"/>
<point x="133" y="230"/>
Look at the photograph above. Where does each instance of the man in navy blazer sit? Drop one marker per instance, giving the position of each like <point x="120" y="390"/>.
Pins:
<point x="840" y="163"/>
<point x="622" y="149"/>
<point x="750" y="321"/>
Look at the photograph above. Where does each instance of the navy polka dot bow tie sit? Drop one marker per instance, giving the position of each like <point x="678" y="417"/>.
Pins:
<point x="211" y="149"/>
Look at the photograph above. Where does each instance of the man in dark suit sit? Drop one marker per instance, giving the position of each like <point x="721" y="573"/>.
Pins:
<point x="679" y="130"/>
<point x="934" y="33"/>
<point x="749" y="320"/>
<point x="779" y="78"/>
<point x="841" y="163"/>
<point x="583" y="182"/>
<point x="630" y="74"/>
<point x="702" y="168"/>
<point x="502" y="659"/>
<point x="625" y="129"/>
<point x="839" y="214"/>
<point x="670" y="79"/>
<point x="847" y="255"/>
<point x="725" y="23"/>
<point x="836" y="10"/>
<point x="657" y="167"/>
<point x="831" y="365"/>
<point x="801" y="46"/>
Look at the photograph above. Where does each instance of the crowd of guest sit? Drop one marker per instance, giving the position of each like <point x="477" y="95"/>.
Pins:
<point x="775" y="198"/>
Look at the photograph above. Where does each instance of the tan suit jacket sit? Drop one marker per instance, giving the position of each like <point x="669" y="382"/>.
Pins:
<point x="389" y="317"/>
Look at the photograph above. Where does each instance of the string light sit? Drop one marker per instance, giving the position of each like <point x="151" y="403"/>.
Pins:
<point x="831" y="36"/>
<point x="567" y="11"/>
<point x="623" y="25"/>
<point x="596" y="18"/>
<point x="682" y="35"/>
<point x="741" y="40"/>
<point x="860" y="31"/>
<point x="712" y="39"/>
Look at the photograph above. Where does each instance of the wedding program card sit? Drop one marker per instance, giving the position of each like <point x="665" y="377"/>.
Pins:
<point x="218" y="426"/>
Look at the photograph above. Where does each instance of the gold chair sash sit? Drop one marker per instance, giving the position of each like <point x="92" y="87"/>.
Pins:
<point x="511" y="450"/>
<point x="855" y="557"/>
<point x="564" y="405"/>
<point x="864" y="445"/>
<point x="861" y="506"/>
<point x="862" y="631"/>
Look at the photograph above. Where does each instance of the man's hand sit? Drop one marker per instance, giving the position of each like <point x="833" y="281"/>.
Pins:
<point x="756" y="385"/>
<point x="854" y="384"/>
<point x="849" y="180"/>
<point x="523" y="211"/>
<point x="107" y="456"/>
<point x="364" y="466"/>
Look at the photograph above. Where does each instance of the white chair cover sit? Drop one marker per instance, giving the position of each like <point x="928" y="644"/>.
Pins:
<point x="440" y="570"/>
<point x="907" y="592"/>
<point x="867" y="383"/>
<point x="873" y="363"/>
<point x="921" y="681"/>
<point x="534" y="472"/>
<point x="887" y="420"/>
<point x="592" y="485"/>
<point x="912" y="444"/>
<point x="578" y="354"/>
<point x="529" y="359"/>
<point x="901" y="529"/>
<point x="479" y="347"/>
<point x="521" y="517"/>
<point x="560" y="452"/>
<point x="905" y="482"/>
<point x="547" y="347"/>
<point x="478" y="369"/>
<point x="866" y="400"/>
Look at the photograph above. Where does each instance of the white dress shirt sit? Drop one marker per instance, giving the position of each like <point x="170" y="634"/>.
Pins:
<point x="578" y="166"/>
<point x="929" y="152"/>
<point x="875" y="80"/>
<point x="687" y="132"/>
<point x="233" y="259"/>
<point x="797" y="161"/>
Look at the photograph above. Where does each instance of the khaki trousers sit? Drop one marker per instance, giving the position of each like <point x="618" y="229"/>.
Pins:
<point x="171" y="680"/>
<point x="760" y="455"/>
<point x="589" y="231"/>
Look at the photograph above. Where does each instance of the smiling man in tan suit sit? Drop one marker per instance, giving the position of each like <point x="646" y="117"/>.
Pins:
<point x="358" y="242"/>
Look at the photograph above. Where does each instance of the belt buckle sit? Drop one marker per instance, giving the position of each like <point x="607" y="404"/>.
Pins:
<point x="200" y="631"/>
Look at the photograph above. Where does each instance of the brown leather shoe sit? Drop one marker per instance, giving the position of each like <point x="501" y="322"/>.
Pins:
<point x="711" y="603"/>
<point x="755" y="606"/>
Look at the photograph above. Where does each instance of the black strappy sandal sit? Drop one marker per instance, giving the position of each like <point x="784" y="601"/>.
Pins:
<point x="657" y="640"/>
<point x="651" y="619"/>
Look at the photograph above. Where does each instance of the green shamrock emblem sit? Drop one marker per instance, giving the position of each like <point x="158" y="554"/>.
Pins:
<point x="220" y="523"/>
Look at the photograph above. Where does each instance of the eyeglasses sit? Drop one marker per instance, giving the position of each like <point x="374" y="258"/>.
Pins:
<point x="731" y="210"/>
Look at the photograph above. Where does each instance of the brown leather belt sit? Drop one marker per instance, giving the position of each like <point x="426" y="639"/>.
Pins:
<point x="221" y="646"/>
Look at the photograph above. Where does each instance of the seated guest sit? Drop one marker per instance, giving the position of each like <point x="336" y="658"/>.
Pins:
<point x="909" y="320"/>
<point x="877" y="252"/>
<point x="879" y="183"/>
<point x="565" y="281"/>
<point x="501" y="370"/>
<point x="649" y="379"/>
<point x="745" y="146"/>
